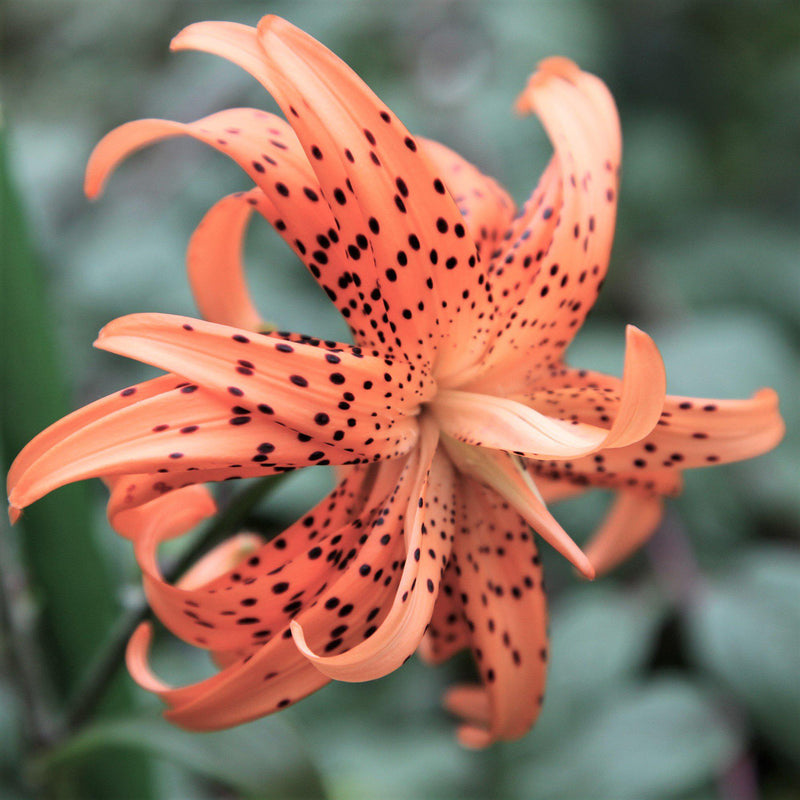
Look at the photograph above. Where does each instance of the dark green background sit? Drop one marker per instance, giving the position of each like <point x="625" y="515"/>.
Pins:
<point x="677" y="676"/>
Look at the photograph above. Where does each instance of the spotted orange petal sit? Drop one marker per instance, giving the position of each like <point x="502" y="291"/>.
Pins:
<point x="486" y="207"/>
<point x="356" y="402"/>
<point x="692" y="432"/>
<point x="250" y="602"/>
<point x="506" y="475"/>
<point x="448" y="632"/>
<point x="429" y="536"/>
<point x="128" y="515"/>
<point x="398" y="198"/>
<point x="580" y="117"/>
<point x="267" y="149"/>
<point x="189" y="434"/>
<point x="500" y="577"/>
<point x="506" y="424"/>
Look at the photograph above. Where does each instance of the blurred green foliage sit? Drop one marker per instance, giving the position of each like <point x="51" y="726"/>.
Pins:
<point x="676" y="677"/>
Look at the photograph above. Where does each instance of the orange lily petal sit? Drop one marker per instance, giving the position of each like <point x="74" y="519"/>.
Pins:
<point x="693" y="432"/>
<point x="504" y="473"/>
<point x="504" y="602"/>
<point x="355" y="283"/>
<point x="630" y="522"/>
<point x="401" y="206"/>
<point x="515" y="265"/>
<point x="195" y="503"/>
<point x="356" y="402"/>
<point x="506" y="424"/>
<point x="501" y="424"/>
<point x="262" y="144"/>
<point x="220" y="559"/>
<point x="247" y="604"/>
<point x="429" y="536"/>
<point x="269" y="680"/>
<point x="448" y="632"/>
<point x="188" y="428"/>
<point x="580" y="117"/>
<point x="635" y="402"/>
<point x="487" y="208"/>
<point x="73" y="422"/>
<point x="266" y="148"/>
<point x="277" y="674"/>
<point x="214" y="261"/>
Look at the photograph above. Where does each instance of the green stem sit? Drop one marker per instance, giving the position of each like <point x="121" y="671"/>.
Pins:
<point x="108" y="660"/>
<point x="20" y="652"/>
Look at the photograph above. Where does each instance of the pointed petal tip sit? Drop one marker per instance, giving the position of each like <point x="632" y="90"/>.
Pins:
<point x="182" y="39"/>
<point x="584" y="567"/>
<point x="14" y="513"/>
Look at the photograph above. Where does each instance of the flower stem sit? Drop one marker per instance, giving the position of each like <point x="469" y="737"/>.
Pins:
<point x="21" y="654"/>
<point x="108" y="660"/>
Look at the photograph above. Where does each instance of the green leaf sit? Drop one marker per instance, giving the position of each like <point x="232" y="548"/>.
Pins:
<point x="641" y="743"/>
<point x="65" y="564"/>
<point x="600" y="638"/>
<point x="745" y="630"/>
<point x="265" y="758"/>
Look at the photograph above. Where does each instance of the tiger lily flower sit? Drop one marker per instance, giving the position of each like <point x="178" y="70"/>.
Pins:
<point x="452" y="418"/>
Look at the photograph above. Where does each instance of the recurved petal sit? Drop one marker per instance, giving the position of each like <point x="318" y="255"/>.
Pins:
<point x="220" y="559"/>
<point x="448" y="632"/>
<point x="357" y="275"/>
<point x="692" y="432"/>
<point x="215" y="266"/>
<point x="250" y="602"/>
<point x="260" y="683"/>
<point x="580" y="118"/>
<point x="559" y="423"/>
<point x="631" y="520"/>
<point x="346" y="612"/>
<point x="508" y="477"/>
<point x="486" y="207"/>
<point x="632" y="407"/>
<point x="428" y="521"/>
<point x="262" y="144"/>
<point x="266" y="148"/>
<point x="392" y="196"/>
<point x="73" y="422"/>
<point x="355" y="402"/>
<point x="500" y="580"/>
<point x="187" y="430"/>
<point x="707" y="431"/>
<point x="498" y="423"/>
<point x="128" y="517"/>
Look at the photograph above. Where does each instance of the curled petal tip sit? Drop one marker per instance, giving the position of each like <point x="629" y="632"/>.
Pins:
<point x="554" y="67"/>
<point x="557" y="66"/>
<point x="768" y="394"/>
<point x="92" y="186"/>
<point x="271" y="22"/>
<point x="300" y="638"/>
<point x="473" y="738"/>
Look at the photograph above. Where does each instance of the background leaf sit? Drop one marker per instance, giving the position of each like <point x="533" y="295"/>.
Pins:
<point x="745" y="630"/>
